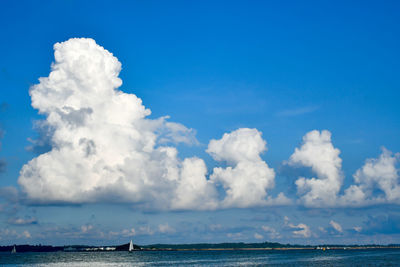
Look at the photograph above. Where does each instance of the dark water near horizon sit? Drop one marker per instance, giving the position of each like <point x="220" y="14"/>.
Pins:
<point x="366" y="257"/>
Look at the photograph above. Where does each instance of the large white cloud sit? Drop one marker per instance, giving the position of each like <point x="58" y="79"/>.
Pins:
<point x="376" y="182"/>
<point x="378" y="174"/>
<point x="238" y="146"/>
<point x="103" y="146"/>
<point x="318" y="153"/>
<point x="247" y="180"/>
<point x="193" y="190"/>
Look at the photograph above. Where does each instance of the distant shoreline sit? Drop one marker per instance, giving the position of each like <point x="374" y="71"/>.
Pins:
<point x="283" y="248"/>
<point x="192" y="247"/>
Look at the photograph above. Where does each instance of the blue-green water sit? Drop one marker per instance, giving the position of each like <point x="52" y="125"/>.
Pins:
<point x="368" y="257"/>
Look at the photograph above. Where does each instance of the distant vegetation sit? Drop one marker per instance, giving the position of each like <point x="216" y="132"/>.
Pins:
<point x="125" y="247"/>
<point x="222" y="245"/>
<point x="199" y="246"/>
<point x="30" y="248"/>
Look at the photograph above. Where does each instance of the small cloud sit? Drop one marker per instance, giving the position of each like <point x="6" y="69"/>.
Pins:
<point x="166" y="229"/>
<point x="322" y="229"/>
<point x="145" y="230"/>
<point x="128" y="232"/>
<point x="21" y="221"/>
<point x="258" y="236"/>
<point x="336" y="226"/>
<point x="358" y="229"/>
<point x="297" y="111"/>
<point x="286" y="220"/>
<point x="235" y="236"/>
<point x="26" y="234"/>
<point x="86" y="228"/>
<point x="8" y="234"/>
<point x="303" y="230"/>
<point x="299" y="230"/>
<point x="272" y="233"/>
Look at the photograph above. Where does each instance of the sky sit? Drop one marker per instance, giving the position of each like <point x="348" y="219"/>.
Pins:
<point x="199" y="121"/>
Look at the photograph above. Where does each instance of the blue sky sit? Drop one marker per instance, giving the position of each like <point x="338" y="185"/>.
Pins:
<point x="281" y="69"/>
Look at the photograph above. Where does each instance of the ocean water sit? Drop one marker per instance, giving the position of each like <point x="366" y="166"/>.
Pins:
<point x="366" y="257"/>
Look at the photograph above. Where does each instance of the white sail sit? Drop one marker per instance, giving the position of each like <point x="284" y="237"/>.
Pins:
<point x="130" y="246"/>
<point x="14" y="250"/>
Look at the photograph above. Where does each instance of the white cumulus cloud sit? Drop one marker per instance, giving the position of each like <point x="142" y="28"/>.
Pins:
<point x="238" y="146"/>
<point x="379" y="174"/>
<point x="103" y="146"/>
<point x="318" y="153"/>
<point x="100" y="146"/>
<point x="193" y="190"/>
<point x="247" y="179"/>
<point x="377" y="181"/>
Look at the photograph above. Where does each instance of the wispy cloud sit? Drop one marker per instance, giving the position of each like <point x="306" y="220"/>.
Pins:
<point x="23" y="221"/>
<point x="258" y="236"/>
<point x="166" y="229"/>
<point x="235" y="236"/>
<point x="336" y="226"/>
<point x="10" y="234"/>
<point x="272" y="233"/>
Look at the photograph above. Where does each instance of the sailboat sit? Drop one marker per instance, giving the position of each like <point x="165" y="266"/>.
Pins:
<point x="130" y="246"/>
<point x="14" y="250"/>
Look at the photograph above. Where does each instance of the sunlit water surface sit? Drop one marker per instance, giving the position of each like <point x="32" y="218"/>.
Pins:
<point x="370" y="257"/>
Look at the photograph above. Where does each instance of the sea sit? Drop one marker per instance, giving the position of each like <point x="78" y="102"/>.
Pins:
<point x="359" y="257"/>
